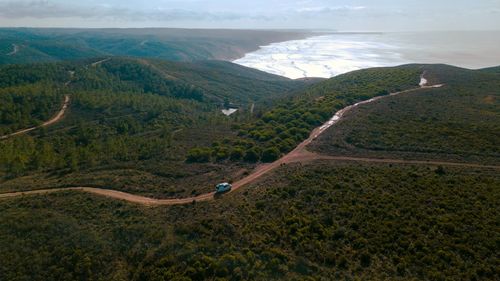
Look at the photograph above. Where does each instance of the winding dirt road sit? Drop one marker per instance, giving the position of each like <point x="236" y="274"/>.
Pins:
<point x="299" y="154"/>
<point x="53" y="120"/>
<point x="59" y="114"/>
<point x="15" y="49"/>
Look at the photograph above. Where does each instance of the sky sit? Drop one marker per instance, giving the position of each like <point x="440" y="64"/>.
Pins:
<point x="342" y="15"/>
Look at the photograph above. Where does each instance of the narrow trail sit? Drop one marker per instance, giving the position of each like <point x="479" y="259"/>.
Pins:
<point x="299" y="154"/>
<point x="99" y="62"/>
<point x="59" y="114"/>
<point x="304" y="156"/>
<point x="15" y="49"/>
<point x="53" y="120"/>
<point x="400" y="161"/>
<point x="161" y="71"/>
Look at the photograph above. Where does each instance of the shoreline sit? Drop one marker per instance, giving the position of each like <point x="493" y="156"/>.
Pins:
<point x="330" y="54"/>
<point x="322" y="55"/>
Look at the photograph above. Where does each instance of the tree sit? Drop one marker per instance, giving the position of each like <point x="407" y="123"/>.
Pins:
<point x="251" y="155"/>
<point x="237" y="154"/>
<point x="287" y="145"/>
<point x="270" y="154"/>
<point x="222" y="155"/>
<point x="18" y="165"/>
<point x="72" y="161"/>
<point x="440" y="170"/>
<point x="365" y="259"/>
<point x="199" y="155"/>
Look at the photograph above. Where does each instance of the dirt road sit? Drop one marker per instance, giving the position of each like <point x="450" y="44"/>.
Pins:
<point x="99" y="62"/>
<point x="14" y="51"/>
<point x="56" y="117"/>
<point x="299" y="154"/>
<point x="400" y="161"/>
<point x="116" y="195"/>
<point x="53" y="120"/>
<point x="64" y="107"/>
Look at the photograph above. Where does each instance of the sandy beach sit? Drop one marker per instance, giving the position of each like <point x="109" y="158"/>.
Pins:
<point x="330" y="55"/>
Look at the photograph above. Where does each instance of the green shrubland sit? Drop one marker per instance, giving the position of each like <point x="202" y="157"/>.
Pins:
<point x="458" y="122"/>
<point x="320" y="222"/>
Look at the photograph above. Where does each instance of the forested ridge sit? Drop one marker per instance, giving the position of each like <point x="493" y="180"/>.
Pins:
<point x="129" y="113"/>
<point x="124" y="113"/>
<point x="53" y="45"/>
<point x="152" y="116"/>
<point x="28" y="105"/>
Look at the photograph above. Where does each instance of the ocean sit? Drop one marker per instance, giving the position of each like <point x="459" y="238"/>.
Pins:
<point x="330" y="55"/>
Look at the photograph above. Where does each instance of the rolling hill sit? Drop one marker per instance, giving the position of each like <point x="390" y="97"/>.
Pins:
<point x="458" y="122"/>
<point x="134" y="123"/>
<point x="134" y="119"/>
<point x="27" y="45"/>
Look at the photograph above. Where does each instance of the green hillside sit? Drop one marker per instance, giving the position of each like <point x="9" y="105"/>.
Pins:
<point x="129" y="119"/>
<point x="145" y="123"/>
<point x="495" y="69"/>
<point x="459" y="122"/>
<point x="30" y="94"/>
<point x="284" y="126"/>
<point x="154" y="141"/>
<point x="215" y="81"/>
<point x="325" y="221"/>
<point x="48" y="45"/>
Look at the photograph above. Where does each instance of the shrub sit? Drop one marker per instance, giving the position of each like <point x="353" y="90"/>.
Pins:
<point x="252" y="156"/>
<point x="221" y="154"/>
<point x="440" y="170"/>
<point x="365" y="259"/>
<point x="270" y="154"/>
<point x="199" y="155"/>
<point x="237" y="154"/>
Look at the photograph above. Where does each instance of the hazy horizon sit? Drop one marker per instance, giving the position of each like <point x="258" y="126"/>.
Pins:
<point x="338" y="15"/>
<point x="312" y="30"/>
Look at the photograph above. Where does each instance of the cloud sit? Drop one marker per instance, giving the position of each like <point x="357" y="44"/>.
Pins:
<point x="330" y="9"/>
<point x="43" y="9"/>
<point x="324" y="12"/>
<point x="344" y="14"/>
